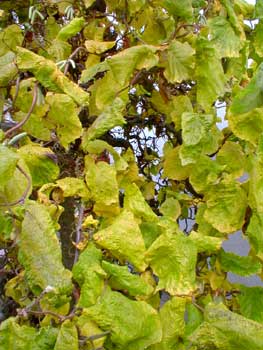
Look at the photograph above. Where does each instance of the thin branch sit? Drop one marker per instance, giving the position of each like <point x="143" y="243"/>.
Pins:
<point x="21" y="200"/>
<point x="18" y="126"/>
<point x="79" y="230"/>
<point x="74" y="53"/>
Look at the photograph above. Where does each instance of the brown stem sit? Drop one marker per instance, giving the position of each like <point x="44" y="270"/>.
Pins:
<point x="74" y="53"/>
<point x="18" y="126"/>
<point x="23" y="197"/>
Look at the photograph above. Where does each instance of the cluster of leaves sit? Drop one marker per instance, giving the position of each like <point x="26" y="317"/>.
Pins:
<point x="117" y="187"/>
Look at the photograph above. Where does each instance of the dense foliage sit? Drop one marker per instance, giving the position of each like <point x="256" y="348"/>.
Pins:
<point x="118" y="183"/>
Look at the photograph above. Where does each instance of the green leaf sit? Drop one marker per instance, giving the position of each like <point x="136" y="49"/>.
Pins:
<point x="6" y="227"/>
<point x="67" y="337"/>
<point x="41" y="162"/>
<point x="232" y="158"/>
<point x="172" y="258"/>
<point x="71" y="29"/>
<point x="226" y="207"/>
<point x="98" y="47"/>
<point x="88" y="328"/>
<point x="14" y="336"/>
<point x="200" y="136"/>
<point x="256" y="179"/>
<point x="59" y="50"/>
<point x="150" y="231"/>
<point x="45" y="339"/>
<point x="178" y="62"/>
<point x="179" y="8"/>
<point x="8" y="162"/>
<point x="133" y="325"/>
<point x="108" y="119"/>
<point x="205" y="173"/>
<point x="251" y="303"/>
<point x="194" y="318"/>
<point x="226" y="330"/>
<point x="255" y="233"/>
<point x="259" y="9"/>
<point x="90" y="72"/>
<point x="8" y="69"/>
<point x="39" y="251"/>
<point x="101" y="181"/>
<point x="241" y="265"/>
<point x="121" y="279"/>
<point x="63" y="117"/>
<point x="10" y="38"/>
<point x="48" y="74"/>
<point x="89" y="275"/>
<point x="124" y="240"/>
<point x="224" y="37"/>
<point x="205" y="243"/>
<point x="251" y="96"/>
<point x="135" y="202"/>
<point x="209" y="74"/>
<point x="173" y="324"/>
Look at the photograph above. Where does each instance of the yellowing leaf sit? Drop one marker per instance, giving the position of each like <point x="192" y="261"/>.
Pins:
<point x="98" y="47"/>
<point x="48" y="74"/>
<point x="135" y="202"/>
<point x="63" y="116"/>
<point x="102" y="183"/>
<point x="172" y="258"/>
<point x="247" y="126"/>
<point x="8" y="68"/>
<point x="67" y="337"/>
<point x="8" y="162"/>
<point x="205" y="243"/>
<point x="72" y="186"/>
<point x="41" y="162"/>
<point x="179" y="62"/>
<point x="209" y="74"/>
<point x="124" y="240"/>
<point x="226" y="207"/>
<point x="171" y="207"/>
<point x="172" y="316"/>
<point x="39" y="251"/>
<point x="200" y="136"/>
<point x="108" y="119"/>
<point x="224" y="37"/>
<point x="172" y="166"/>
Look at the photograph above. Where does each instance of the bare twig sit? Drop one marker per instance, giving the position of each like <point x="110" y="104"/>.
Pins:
<point x="18" y="126"/>
<point x="74" y="53"/>
<point x="23" y="197"/>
